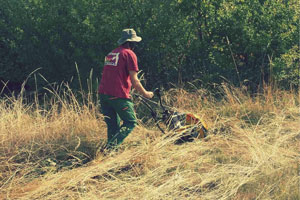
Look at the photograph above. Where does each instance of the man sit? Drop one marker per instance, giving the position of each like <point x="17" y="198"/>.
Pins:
<point x="119" y="74"/>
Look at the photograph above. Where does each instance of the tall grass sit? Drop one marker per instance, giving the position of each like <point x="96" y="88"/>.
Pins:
<point x="49" y="149"/>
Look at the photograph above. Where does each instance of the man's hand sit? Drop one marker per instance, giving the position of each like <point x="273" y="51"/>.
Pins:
<point x="148" y="95"/>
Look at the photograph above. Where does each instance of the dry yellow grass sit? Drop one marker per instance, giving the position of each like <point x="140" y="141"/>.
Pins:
<point x="252" y="151"/>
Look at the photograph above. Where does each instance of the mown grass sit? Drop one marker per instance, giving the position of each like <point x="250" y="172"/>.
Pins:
<point x="49" y="149"/>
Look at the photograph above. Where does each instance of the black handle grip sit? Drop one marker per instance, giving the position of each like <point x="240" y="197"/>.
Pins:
<point x="156" y="91"/>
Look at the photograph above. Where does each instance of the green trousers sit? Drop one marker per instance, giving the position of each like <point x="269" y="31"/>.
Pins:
<point x="114" y="110"/>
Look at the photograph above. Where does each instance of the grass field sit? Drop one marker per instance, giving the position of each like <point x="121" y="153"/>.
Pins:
<point x="49" y="149"/>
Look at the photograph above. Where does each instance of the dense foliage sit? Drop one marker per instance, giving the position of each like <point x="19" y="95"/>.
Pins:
<point x="203" y="42"/>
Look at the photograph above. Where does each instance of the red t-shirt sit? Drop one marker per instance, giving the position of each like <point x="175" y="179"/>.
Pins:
<point x="115" y="75"/>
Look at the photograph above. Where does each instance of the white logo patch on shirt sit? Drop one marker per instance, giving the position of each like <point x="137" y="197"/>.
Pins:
<point x="112" y="59"/>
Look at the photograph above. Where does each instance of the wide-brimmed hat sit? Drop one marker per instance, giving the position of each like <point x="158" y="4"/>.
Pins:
<point x="129" y="35"/>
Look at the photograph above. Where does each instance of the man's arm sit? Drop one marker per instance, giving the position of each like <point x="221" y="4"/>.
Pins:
<point x="138" y="86"/>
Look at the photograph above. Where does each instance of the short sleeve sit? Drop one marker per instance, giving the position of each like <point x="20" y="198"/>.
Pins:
<point x="131" y="62"/>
